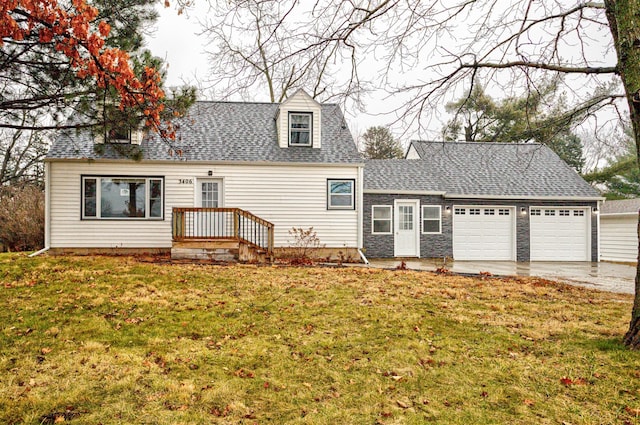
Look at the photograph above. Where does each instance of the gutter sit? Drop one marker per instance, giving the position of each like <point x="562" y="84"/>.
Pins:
<point x="491" y="197"/>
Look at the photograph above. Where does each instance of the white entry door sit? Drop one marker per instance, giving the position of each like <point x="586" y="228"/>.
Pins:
<point x="483" y="233"/>
<point x="210" y="223"/>
<point x="407" y="231"/>
<point x="209" y="193"/>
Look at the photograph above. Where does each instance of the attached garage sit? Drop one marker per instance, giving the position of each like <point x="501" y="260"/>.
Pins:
<point x="494" y="201"/>
<point x="484" y="233"/>
<point x="560" y="234"/>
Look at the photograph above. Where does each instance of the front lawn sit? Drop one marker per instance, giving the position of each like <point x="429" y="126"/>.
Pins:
<point x="119" y="340"/>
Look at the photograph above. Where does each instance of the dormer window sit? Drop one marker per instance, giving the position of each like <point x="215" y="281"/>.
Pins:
<point x="300" y="129"/>
<point x="119" y="134"/>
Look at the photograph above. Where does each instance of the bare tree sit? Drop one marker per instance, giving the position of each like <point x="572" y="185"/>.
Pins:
<point x="22" y="152"/>
<point x="429" y="53"/>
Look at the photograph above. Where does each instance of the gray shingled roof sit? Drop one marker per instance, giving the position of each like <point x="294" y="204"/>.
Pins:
<point x="480" y="169"/>
<point x="621" y="206"/>
<point x="224" y="131"/>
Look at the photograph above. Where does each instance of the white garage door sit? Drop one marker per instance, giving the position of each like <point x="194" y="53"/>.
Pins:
<point x="483" y="233"/>
<point x="559" y="234"/>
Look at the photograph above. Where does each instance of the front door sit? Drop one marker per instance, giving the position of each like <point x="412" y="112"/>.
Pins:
<point x="407" y="236"/>
<point x="210" y="224"/>
<point x="209" y="193"/>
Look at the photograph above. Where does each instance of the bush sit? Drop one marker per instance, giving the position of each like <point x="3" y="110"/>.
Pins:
<point x="21" y="218"/>
<point x="304" y="242"/>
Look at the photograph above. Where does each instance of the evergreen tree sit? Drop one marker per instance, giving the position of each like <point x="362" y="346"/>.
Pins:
<point x="379" y="143"/>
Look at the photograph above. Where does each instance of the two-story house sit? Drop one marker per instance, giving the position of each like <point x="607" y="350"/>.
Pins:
<point x="238" y="173"/>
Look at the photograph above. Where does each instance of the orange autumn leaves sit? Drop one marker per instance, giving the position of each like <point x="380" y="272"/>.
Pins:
<point x="74" y="32"/>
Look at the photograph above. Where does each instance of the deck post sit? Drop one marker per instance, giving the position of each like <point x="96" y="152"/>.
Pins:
<point x="236" y="224"/>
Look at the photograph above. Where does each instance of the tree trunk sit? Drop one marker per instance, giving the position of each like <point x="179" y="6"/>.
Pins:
<point x="632" y="338"/>
<point x="624" y="22"/>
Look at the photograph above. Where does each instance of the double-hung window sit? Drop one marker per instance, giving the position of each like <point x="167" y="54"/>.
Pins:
<point x="300" y="128"/>
<point x="122" y="198"/>
<point x="381" y="219"/>
<point x="340" y="194"/>
<point x="431" y="219"/>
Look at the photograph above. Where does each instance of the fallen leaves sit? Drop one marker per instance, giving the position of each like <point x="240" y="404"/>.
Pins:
<point x="242" y="373"/>
<point x="572" y="381"/>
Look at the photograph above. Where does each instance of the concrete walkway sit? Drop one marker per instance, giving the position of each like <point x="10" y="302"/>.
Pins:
<point x="602" y="276"/>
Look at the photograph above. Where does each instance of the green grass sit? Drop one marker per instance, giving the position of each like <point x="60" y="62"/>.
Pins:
<point x="119" y="340"/>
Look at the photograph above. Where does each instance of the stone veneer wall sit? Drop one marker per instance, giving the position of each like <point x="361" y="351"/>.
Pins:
<point x="441" y="245"/>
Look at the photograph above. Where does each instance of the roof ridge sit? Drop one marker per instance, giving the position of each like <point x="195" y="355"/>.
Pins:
<point x="464" y="142"/>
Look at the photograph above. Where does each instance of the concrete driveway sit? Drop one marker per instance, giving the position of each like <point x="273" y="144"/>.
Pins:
<point x="602" y="276"/>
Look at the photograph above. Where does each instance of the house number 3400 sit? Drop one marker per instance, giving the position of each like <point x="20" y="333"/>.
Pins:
<point x="185" y="181"/>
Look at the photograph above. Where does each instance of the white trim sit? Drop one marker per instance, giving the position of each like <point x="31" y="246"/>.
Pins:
<point x="329" y="195"/>
<point x="527" y="198"/>
<point x="416" y="225"/>
<point x="47" y="204"/>
<point x="197" y="199"/>
<point x="147" y="197"/>
<point x="439" y="219"/>
<point x="308" y="130"/>
<point x="597" y="236"/>
<point x="360" y="208"/>
<point x="623" y="214"/>
<point x="390" y="232"/>
<point x="211" y="163"/>
<point x="491" y="197"/>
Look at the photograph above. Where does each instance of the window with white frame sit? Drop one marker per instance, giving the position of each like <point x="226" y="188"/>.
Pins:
<point x="431" y="219"/>
<point x="122" y="198"/>
<point x="300" y="128"/>
<point x="381" y="219"/>
<point x="340" y="194"/>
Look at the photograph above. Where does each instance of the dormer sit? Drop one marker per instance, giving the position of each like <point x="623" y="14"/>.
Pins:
<point x="122" y="135"/>
<point x="120" y="126"/>
<point x="298" y="122"/>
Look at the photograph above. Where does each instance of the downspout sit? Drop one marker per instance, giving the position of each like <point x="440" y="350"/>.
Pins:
<point x="599" y="206"/>
<point x="361" y="212"/>
<point x="47" y="210"/>
<point x="362" y="256"/>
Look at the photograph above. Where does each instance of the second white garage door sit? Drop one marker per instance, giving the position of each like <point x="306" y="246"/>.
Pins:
<point x="483" y="233"/>
<point x="560" y="234"/>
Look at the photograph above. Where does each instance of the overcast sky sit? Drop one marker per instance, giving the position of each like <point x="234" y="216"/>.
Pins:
<point x="175" y="39"/>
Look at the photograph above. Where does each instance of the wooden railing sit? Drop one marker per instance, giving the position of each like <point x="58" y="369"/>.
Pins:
<point x="206" y="224"/>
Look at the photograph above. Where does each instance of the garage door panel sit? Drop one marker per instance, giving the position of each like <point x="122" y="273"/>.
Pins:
<point x="486" y="235"/>
<point x="559" y="234"/>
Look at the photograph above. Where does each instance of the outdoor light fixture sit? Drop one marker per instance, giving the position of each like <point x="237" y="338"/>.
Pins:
<point x="595" y="210"/>
<point x="447" y="209"/>
<point x="523" y="210"/>
<point x="210" y="173"/>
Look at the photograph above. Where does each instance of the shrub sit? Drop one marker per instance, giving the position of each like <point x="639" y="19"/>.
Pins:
<point x="304" y="240"/>
<point x="21" y="218"/>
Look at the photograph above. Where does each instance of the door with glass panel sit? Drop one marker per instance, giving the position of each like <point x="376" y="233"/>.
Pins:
<point x="407" y="235"/>
<point x="210" y="223"/>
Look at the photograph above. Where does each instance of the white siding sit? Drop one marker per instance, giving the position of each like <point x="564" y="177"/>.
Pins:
<point x="412" y="153"/>
<point x="299" y="102"/>
<point x="288" y="196"/>
<point x="619" y="238"/>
